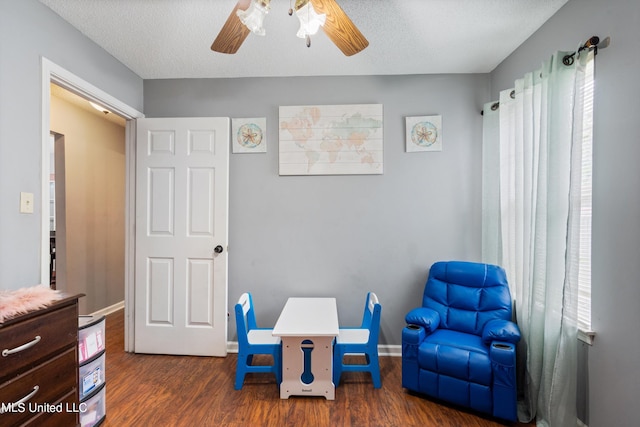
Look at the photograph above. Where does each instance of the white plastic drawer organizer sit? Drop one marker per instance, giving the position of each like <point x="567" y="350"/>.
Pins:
<point x="91" y="378"/>
<point x="90" y="337"/>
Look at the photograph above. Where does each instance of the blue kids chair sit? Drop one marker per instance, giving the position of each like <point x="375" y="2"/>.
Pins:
<point x="253" y="340"/>
<point x="362" y="340"/>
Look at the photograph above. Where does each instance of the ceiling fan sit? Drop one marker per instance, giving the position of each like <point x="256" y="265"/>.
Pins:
<point x="312" y="14"/>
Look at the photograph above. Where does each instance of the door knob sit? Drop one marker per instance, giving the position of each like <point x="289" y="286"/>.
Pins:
<point x="218" y="249"/>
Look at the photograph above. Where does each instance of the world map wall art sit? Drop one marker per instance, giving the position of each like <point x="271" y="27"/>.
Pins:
<point x="249" y="135"/>
<point x="331" y="140"/>
<point x="424" y="133"/>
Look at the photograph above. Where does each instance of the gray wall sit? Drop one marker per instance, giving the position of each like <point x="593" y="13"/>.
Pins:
<point x="345" y="235"/>
<point x="28" y="31"/>
<point x="613" y="377"/>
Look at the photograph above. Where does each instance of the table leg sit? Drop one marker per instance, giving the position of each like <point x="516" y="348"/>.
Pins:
<point x="317" y="352"/>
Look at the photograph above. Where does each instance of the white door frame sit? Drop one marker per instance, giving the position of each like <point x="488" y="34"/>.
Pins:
<point x="53" y="73"/>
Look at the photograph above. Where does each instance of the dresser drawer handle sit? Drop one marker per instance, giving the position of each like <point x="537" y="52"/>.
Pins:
<point x="24" y="399"/>
<point x="6" y="352"/>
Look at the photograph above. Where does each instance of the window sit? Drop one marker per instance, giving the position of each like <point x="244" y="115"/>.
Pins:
<point x="584" y="267"/>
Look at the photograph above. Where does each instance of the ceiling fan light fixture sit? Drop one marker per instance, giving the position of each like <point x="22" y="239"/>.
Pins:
<point x="310" y="20"/>
<point x="247" y="16"/>
<point x="253" y="17"/>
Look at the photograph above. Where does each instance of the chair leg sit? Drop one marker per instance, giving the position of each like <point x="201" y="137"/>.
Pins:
<point x="337" y="366"/>
<point x="375" y="370"/>
<point x="277" y="364"/>
<point x="372" y="366"/>
<point x="241" y="370"/>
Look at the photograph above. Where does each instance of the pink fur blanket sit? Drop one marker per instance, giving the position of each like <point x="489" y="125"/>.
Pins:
<point x="24" y="300"/>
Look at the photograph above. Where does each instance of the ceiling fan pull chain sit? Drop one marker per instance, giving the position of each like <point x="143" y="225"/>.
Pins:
<point x="308" y="37"/>
<point x="290" y="8"/>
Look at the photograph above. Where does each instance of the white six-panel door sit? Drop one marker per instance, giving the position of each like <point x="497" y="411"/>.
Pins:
<point x="181" y="236"/>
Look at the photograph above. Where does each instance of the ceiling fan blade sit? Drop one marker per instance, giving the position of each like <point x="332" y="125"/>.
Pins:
<point x="339" y="27"/>
<point x="233" y="32"/>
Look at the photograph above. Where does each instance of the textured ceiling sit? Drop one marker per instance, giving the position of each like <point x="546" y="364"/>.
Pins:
<point x="160" y="39"/>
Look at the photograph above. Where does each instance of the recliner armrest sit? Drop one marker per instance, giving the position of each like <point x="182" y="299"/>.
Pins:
<point x="501" y="330"/>
<point x="427" y="318"/>
<point x="413" y="335"/>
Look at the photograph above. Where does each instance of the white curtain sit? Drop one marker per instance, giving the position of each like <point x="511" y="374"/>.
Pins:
<point x="531" y="197"/>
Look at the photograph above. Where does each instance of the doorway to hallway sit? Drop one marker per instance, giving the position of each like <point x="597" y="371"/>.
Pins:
<point x="87" y="224"/>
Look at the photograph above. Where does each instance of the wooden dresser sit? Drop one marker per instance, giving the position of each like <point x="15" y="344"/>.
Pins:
<point x="39" y="367"/>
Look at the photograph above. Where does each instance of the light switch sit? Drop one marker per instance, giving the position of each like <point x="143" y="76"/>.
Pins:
<point x="26" y="202"/>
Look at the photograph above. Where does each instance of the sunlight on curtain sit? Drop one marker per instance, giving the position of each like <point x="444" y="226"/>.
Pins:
<point x="584" y="261"/>
<point x="533" y="152"/>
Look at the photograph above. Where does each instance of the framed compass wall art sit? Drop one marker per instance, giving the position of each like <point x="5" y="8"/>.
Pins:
<point x="249" y="135"/>
<point x="424" y="133"/>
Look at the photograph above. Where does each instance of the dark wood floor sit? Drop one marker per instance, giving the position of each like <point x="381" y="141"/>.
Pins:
<point x="151" y="390"/>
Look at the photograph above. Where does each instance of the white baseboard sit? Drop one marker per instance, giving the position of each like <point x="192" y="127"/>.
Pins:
<point x="581" y="424"/>
<point x="232" y="346"/>
<point x="383" y="350"/>
<point x="390" y="350"/>
<point x="108" y="310"/>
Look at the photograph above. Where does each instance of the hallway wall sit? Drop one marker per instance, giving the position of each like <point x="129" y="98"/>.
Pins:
<point x="95" y="206"/>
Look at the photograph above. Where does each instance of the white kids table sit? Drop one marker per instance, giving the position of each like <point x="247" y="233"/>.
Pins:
<point x="307" y="328"/>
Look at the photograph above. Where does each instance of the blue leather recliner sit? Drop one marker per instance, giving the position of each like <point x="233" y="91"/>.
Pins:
<point x="460" y="346"/>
